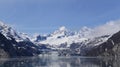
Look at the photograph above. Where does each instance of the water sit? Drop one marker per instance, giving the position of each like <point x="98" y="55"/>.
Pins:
<point x="55" y="61"/>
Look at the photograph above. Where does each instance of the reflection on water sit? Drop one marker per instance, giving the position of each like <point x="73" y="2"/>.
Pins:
<point x="54" y="61"/>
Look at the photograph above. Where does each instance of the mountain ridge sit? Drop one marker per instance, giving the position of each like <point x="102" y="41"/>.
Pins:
<point x="76" y="41"/>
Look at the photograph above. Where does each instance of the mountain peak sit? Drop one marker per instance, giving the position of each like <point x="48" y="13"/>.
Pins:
<point x="85" y="29"/>
<point x="3" y="25"/>
<point x="62" y="28"/>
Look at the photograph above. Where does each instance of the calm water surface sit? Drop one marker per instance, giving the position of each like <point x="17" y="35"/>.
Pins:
<point x="55" y="61"/>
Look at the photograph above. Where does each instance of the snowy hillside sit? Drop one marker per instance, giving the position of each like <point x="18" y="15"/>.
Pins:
<point x="62" y="36"/>
<point x="9" y="33"/>
<point x="16" y="44"/>
<point x="65" y="36"/>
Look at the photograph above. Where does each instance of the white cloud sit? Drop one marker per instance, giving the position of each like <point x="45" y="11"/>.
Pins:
<point x="110" y="27"/>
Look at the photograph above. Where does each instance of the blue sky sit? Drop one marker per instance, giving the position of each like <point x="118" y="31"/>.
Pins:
<point x="45" y="16"/>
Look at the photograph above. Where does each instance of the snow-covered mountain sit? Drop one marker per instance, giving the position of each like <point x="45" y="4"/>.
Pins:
<point x="9" y="33"/>
<point x="38" y="37"/>
<point x="64" y="36"/>
<point x="20" y="42"/>
<point x="85" y="32"/>
<point x="76" y="41"/>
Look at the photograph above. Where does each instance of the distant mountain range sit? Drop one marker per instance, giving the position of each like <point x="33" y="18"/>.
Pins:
<point x="67" y="42"/>
<point x="66" y="36"/>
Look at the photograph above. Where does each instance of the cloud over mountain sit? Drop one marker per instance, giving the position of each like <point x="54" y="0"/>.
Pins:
<point x="109" y="28"/>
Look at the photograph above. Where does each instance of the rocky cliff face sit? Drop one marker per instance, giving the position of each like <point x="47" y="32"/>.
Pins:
<point x="6" y="47"/>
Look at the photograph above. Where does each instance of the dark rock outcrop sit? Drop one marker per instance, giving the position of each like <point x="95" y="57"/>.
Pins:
<point x="27" y="48"/>
<point x="6" y="47"/>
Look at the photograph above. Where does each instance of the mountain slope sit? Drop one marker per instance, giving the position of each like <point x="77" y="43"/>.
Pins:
<point x="81" y="48"/>
<point x="109" y="48"/>
<point x="19" y="41"/>
<point x="9" y="33"/>
<point x="6" y="47"/>
<point x="65" y="36"/>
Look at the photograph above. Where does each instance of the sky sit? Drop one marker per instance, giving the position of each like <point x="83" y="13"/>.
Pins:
<point x="45" y="16"/>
